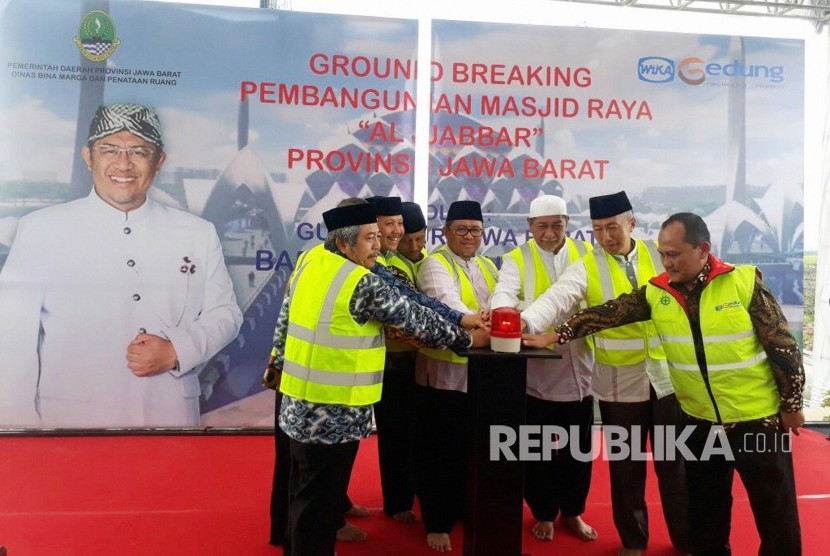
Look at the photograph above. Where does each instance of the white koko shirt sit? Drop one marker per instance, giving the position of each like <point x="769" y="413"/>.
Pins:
<point x="559" y="380"/>
<point x="82" y="280"/>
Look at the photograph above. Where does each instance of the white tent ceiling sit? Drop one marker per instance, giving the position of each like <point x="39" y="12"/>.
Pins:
<point x="811" y="10"/>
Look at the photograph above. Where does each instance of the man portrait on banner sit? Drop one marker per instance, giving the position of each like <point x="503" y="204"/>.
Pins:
<point x="111" y="301"/>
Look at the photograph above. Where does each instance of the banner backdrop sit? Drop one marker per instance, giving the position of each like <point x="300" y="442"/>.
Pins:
<point x="681" y="122"/>
<point x="710" y="124"/>
<point x="271" y="117"/>
<point x="267" y="121"/>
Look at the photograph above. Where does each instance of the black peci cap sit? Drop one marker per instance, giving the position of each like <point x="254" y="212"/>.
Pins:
<point x="413" y="217"/>
<point x="606" y="206"/>
<point x="464" y="210"/>
<point x="386" y="206"/>
<point x="350" y="215"/>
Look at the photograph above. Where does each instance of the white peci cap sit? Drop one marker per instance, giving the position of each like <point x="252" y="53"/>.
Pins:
<point x="548" y="205"/>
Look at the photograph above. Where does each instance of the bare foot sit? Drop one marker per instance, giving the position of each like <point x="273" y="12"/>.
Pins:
<point x="579" y="528"/>
<point x="439" y="542"/>
<point x="357" y="511"/>
<point x="543" y="530"/>
<point x="350" y="533"/>
<point x="406" y="516"/>
<point x="630" y="552"/>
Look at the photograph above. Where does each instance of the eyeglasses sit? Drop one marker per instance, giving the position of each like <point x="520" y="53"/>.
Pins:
<point x="108" y="150"/>
<point x="463" y="231"/>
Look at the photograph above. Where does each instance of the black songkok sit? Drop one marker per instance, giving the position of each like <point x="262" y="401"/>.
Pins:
<point x="413" y="217"/>
<point x="464" y="210"/>
<point x="350" y="215"/>
<point x="386" y="206"/>
<point x="606" y="206"/>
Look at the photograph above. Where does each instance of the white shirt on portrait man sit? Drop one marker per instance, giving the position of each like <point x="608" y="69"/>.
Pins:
<point x="83" y="279"/>
<point x="109" y="303"/>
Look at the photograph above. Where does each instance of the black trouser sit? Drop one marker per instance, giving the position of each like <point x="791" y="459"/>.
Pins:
<point x="561" y="484"/>
<point x="761" y="456"/>
<point x="441" y="456"/>
<point x="281" y="481"/>
<point x="319" y="480"/>
<point x="395" y="421"/>
<point x="628" y="475"/>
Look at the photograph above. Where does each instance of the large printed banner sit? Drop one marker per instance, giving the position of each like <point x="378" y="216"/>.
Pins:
<point x="270" y="118"/>
<point x="709" y="124"/>
<point x="681" y="122"/>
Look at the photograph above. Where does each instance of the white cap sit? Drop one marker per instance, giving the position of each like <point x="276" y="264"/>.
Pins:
<point x="548" y="205"/>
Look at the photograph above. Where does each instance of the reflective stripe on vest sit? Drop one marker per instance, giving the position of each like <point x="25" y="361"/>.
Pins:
<point x="626" y="344"/>
<point x="465" y="288"/>
<point x="533" y="279"/>
<point x="605" y="280"/>
<point x="723" y="367"/>
<point x="738" y="372"/>
<point x="330" y="358"/>
<point x="629" y="344"/>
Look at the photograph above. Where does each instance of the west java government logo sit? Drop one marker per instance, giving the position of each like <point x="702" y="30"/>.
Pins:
<point x="96" y="36"/>
<point x="696" y="71"/>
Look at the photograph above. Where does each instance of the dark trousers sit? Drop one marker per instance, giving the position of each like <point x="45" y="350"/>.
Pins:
<point x="628" y="475"/>
<point x="441" y="456"/>
<point x="319" y="479"/>
<point x="281" y="482"/>
<point x="395" y="421"/>
<point x="561" y="484"/>
<point x="761" y="456"/>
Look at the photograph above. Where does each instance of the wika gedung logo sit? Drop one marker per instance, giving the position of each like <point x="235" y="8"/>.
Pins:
<point x="96" y="36"/>
<point x="655" y="69"/>
<point x="696" y="71"/>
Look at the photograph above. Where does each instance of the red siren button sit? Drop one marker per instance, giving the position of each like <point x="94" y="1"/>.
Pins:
<point x="506" y="330"/>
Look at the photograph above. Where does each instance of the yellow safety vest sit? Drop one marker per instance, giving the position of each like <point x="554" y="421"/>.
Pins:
<point x="629" y="344"/>
<point x="534" y="279"/>
<point x="737" y="370"/>
<point x="468" y="296"/>
<point x="330" y="358"/>
<point x="532" y="274"/>
<point x="304" y="257"/>
<point x="408" y="267"/>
